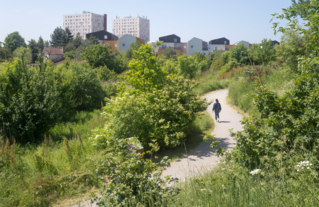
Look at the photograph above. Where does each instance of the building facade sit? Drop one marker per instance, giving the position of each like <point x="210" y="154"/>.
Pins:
<point x="126" y="40"/>
<point x="84" y="23"/>
<point x="173" y="41"/>
<point x="135" y="26"/>
<point x="197" y="45"/>
<point x="218" y="44"/>
<point x="246" y="44"/>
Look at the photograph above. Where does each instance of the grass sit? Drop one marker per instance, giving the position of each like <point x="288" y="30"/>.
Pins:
<point x="230" y="184"/>
<point x="38" y="175"/>
<point x="242" y="88"/>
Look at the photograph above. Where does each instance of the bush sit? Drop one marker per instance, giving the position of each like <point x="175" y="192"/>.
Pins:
<point x="230" y="65"/>
<point x="187" y="65"/>
<point x="216" y="64"/>
<point x="30" y="102"/>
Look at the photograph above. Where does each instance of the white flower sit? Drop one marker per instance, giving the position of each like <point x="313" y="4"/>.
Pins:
<point x="308" y="168"/>
<point x="254" y="172"/>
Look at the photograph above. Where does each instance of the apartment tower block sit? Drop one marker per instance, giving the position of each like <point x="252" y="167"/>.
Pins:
<point x="84" y="23"/>
<point x="135" y="26"/>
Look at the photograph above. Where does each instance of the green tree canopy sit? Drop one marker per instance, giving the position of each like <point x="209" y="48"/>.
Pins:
<point x="60" y="38"/>
<point x="13" y="41"/>
<point x="169" y="52"/>
<point x="5" y="54"/>
<point x="240" y="53"/>
<point x="33" y="46"/>
<point x="98" y="55"/>
<point x="134" y="46"/>
<point x="41" y="44"/>
<point x="23" y="51"/>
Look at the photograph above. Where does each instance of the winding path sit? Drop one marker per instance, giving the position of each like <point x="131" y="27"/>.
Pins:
<point x="203" y="157"/>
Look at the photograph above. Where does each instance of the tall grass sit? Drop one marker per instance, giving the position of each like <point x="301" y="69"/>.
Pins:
<point x="62" y="165"/>
<point x="230" y="184"/>
<point x="242" y="88"/>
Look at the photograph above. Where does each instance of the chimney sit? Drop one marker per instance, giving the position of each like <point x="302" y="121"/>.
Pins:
<point x="105" y="23"/>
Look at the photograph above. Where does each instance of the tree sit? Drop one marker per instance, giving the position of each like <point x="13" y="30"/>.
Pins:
<point x="77" y="41"/>
<point x="169" y="52"/>
<point x="98" y="55"/>
<point x="13" y="41"/>
<point x="292" y="46"/>
<point x="134" y="46"/>
<point x="5" y="54"/>
<point x="46" y="43"/>
<point x="34" y="49"/>
<point x="188" y="66"/>
<point x="41" y="44"/>
<point x="68" y="36"/>
<point x="69" y="47"/>
<point x="225" y="57"/>
<point x="58" y="37"/>
<point x="23" y="52"/>
<point x="240" y="53"/>
<point x="146" y="72"/>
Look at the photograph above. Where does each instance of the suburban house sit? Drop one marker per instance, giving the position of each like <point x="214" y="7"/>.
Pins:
<point x="196" y="45"/>
<point x="275" y="42"/>
<point x="113" y="42"/>
<point x="172" y="41"/>
<point x="105" y="38"/>
<point x="243" y="42"/>
<point x="55" y="54"/>
<point x="126" y="40"/>
<point x="218" y="44"/>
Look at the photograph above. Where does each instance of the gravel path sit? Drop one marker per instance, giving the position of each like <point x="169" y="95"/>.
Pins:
<point x="203" y="157"/>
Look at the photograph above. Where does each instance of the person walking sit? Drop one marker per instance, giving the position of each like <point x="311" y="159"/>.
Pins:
<point x="217" y="108"/>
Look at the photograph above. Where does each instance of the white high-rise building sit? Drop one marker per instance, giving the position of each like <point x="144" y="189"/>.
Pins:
<point x="84" y="23"/>
<point x="136" y="26"/>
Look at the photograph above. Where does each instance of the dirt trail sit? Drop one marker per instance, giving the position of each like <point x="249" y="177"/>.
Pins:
<point x="203" y="157"/>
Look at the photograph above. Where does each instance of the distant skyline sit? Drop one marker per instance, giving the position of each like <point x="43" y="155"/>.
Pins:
<point x="236" y="20"/>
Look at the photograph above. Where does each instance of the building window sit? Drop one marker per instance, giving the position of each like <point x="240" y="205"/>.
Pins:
<point x="115" y="45"/>
<point x="191" y="46"/>
<point x="162" y="53"/>
<point x="123" y="44"/>
<point x="105" y="37"/>
<point x="175" y="39"/>
<point x="216" y="48"/>
<point x="185" y="46"/>
<point x="225" y="42"/>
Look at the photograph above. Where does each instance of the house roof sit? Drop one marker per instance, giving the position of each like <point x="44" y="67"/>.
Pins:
<point x="54" y="50"/>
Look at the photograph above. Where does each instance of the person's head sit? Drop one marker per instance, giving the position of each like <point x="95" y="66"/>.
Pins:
<point x="217" y="100"/>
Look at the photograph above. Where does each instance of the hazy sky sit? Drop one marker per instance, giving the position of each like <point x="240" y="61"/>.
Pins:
<point x="205" y="19"/>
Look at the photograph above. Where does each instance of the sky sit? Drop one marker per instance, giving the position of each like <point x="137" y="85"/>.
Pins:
<point x="205" y="19"/>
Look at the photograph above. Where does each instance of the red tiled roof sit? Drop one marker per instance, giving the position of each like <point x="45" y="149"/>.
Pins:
<point x="62" y="61"/>
<point x="54" y="50"/>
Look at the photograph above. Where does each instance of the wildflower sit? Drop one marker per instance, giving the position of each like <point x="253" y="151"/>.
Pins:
<point x="303" y="165"/>
<point x="254" y="172"/>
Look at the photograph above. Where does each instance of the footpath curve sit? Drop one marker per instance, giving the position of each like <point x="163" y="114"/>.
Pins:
<point x="203" y="157"/>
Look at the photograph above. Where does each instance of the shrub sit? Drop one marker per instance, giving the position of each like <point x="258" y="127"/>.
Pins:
<point x="216" y="64"/>
<point x="230" y="65"/>
<point x="187" y="66"/>
<point x="30" y="102"/>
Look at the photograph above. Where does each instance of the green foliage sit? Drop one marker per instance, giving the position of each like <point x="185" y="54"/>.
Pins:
<point x="240" y="54"/>
<point x="169" y="52"/>
<point x="34" y="49"/>
<point x="41" y="44"/>
<point x="230" y="65"/>
<point x="13" y="41"/>
<point x="5" y="54"/>
<point x="292" y="47"/>
<point x="20" y="51"/>
<point x="60" y="38"/>
<point x="69" y="47"/>
<point x="134" y="46"/>
<point x="105" y="74"/>
<point x="134" y="180"/>
<point x="29" y="101"/>
<point x="225" y="57"/>
<point x="69" y="55"/>
<point x="188" y="66"/>
<point x="145" y="74"/>
<point x="171" y="66"/>
<point x="216" y="64"/>
<point x="97" y="55"/>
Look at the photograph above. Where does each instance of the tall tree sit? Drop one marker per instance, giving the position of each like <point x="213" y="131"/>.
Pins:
<point x="46" y="43"/>
<point x="33" y="46"/>
<point x="58" y="37"/>
<point x="40" y="44"/>
<point x="77" y="41"/>
<point x="68" y="36"/>
<point x="303" y="11"/>
<point x="13" y="41"/>
<point x="5" y="54"/>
